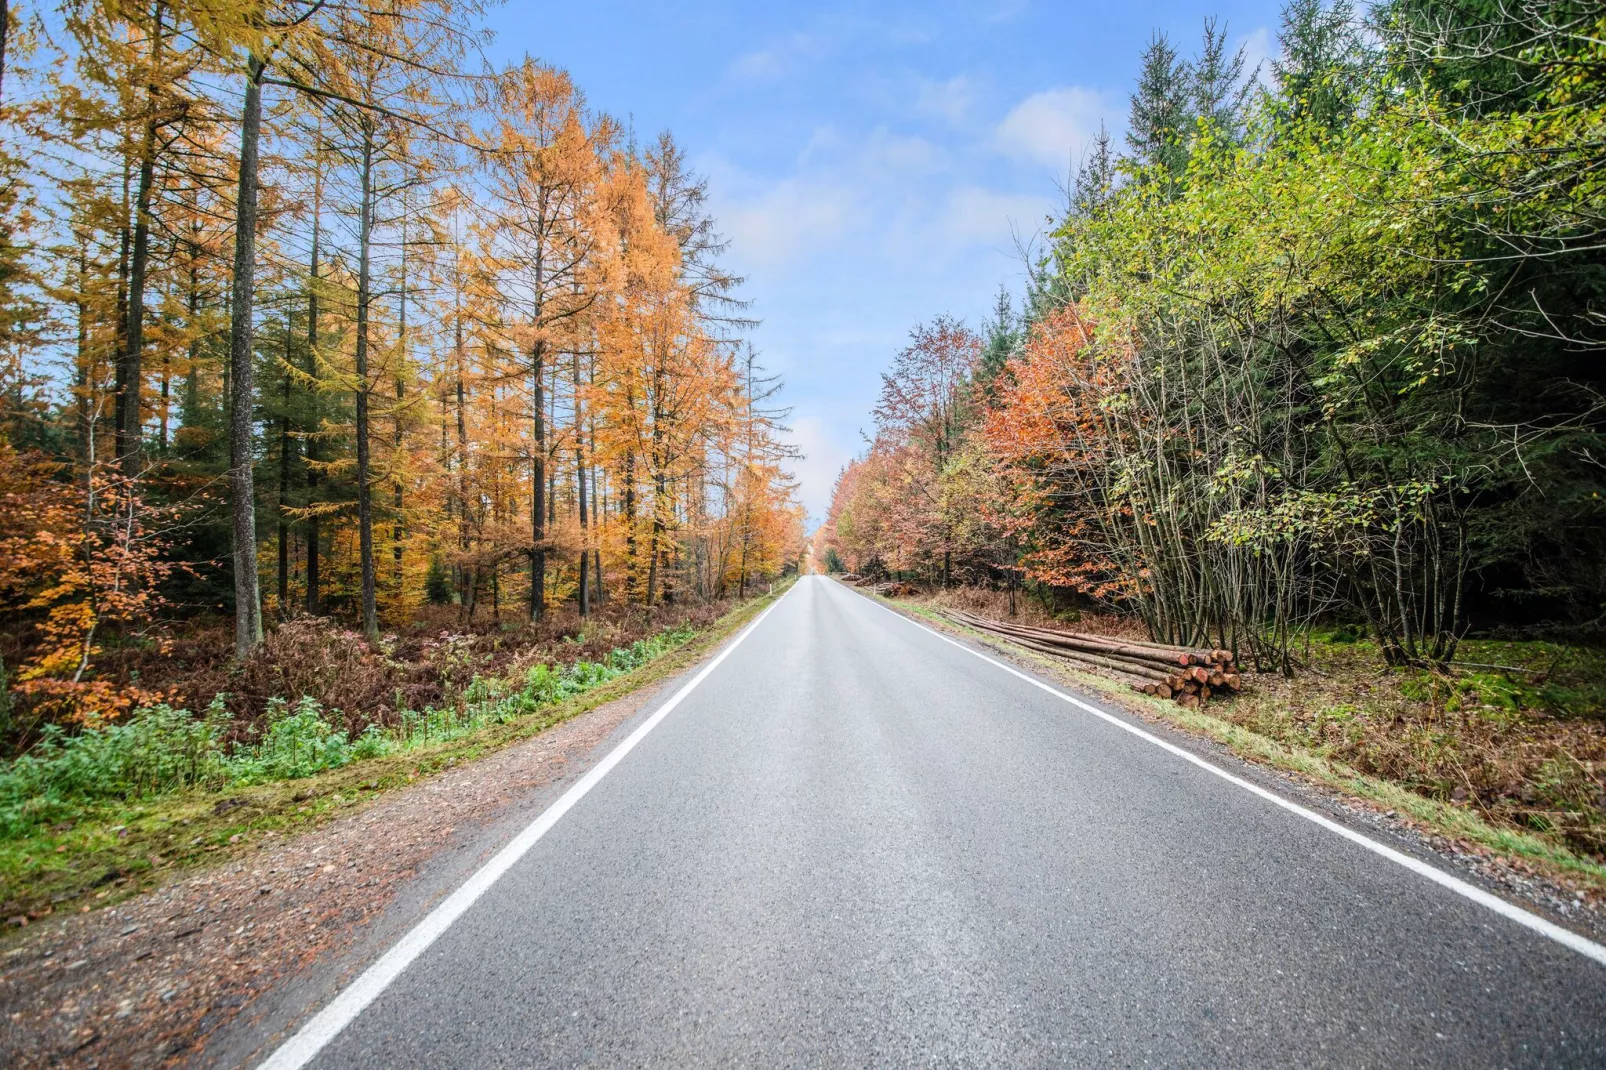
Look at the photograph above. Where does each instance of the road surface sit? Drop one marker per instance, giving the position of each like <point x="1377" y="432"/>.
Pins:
<point x="854" y="843"/>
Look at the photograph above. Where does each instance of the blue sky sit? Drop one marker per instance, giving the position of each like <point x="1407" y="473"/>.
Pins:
<point x="872" y="165"/>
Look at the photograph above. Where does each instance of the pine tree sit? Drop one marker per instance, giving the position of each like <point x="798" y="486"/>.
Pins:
<point x="1161" y="116"/>
<point x="1219" y="86"/>
<point x="1319" y="69"/>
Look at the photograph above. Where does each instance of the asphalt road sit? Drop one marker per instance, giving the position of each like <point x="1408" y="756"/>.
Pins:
<point x="855" y="844"/>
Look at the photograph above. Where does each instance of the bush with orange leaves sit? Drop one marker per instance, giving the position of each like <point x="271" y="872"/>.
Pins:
<point x="77" y="559"/>
<point x="1048" y="436"/>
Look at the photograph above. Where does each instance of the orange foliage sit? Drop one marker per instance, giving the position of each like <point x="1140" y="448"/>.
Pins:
<point x="1048" y="434"/>
<point x="72" y="559"/>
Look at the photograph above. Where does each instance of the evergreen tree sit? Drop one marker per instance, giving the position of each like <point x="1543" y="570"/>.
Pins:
<point x="1095" y="178"/>
<point x="1320" y="70"/>
<point x="1219" y="86"/>
<point x="1002" y="340"/>
<point x="1161" y="113"/>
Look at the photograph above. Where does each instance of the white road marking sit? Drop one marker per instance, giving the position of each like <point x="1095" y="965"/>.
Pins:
<point x="1567" y="938"/>
<point x="300" y="1049"/>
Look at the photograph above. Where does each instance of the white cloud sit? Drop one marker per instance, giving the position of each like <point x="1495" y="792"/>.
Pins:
<point x="837" y="186"/>
<point x="1257" y="49"/>
<point x="778" y="60"/>
<point x="817" y="469"/>
<point x="787" y="221"/>
<point x="1053" y="127"/>
<point x="974" y="214"/>
<point x="1006" y="11"/>
<point x="951" y="101"/>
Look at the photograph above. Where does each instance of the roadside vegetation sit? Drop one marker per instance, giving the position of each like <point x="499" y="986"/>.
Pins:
<point x="1309" y="369"/>
<point x="92" y="816"/>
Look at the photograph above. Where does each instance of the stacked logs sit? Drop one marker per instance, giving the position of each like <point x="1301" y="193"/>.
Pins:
<point x="884" y="588"/>
<point x="1188" y="675"/>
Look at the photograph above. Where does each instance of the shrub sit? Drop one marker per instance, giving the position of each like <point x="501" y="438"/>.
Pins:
<point x="157" y="750"/>
<point x="160" y="749"/>
<point x="296" y="745"/>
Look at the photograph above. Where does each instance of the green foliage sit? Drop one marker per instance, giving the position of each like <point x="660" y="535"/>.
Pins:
<point x="161" y="750"/>
<point x="1353" y="348"/>
<point x="155" y="751"/>
<point x="438" y="583"/>
<point x="297" y="744"/>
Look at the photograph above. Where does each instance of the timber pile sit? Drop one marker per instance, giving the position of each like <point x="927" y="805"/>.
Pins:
<point x="885" y="588"/>
<point x="1188" y="675"/>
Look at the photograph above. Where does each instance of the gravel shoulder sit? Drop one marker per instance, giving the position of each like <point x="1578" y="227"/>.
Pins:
<point x="209" y="969"/>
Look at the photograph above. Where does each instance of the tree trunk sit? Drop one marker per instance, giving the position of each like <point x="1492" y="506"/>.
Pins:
<point x="132" y="376"/>
<point x="656" y="548"/>
<point x="242" y="376"/>
<point x="396" y="432"/>
<point x="314" y="420"/>
<point x="470" y="577"/>
<point x="5" y="32"/>
<point x="365" y="506"/>
<point x="538" y="481"/>
<point x="119" y="362"/>
<point x="580" y="480"/>
<point x="284" y="482"/>
<point x="630" y="526"/>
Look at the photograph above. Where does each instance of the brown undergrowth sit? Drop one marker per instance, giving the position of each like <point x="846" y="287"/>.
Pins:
<point x="426" y="664"/>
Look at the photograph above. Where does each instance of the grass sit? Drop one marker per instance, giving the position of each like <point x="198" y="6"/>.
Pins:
<point x="1393" y="739"/>
<point x="112" y="848"/>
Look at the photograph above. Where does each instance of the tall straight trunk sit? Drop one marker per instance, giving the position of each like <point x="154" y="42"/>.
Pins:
<point x="538" y="475"/>
<point x="599" y="595"/>
<point x="166" y="404"/>
<point x="655" y="545"/>
<point x="314" y="420"/>
<point x="284" y="482"/>
<point x="580" y="481"/>
<point x="396" y="433"/>
<point x="741" y="575"/>
<point x="630" y="525"/>
<point x="365" y="506"/>
<point x="132" y="376"/>
<point x="242" y="375"/>
<point x="119" y="363"/>
<point x="462" y="473"/>
<point x="5" y="32"/>
<point x="656" y="460"/>
<point x="85" y="383"/>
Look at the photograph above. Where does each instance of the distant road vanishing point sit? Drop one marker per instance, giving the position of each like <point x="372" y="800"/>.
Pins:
<point x="850" y="841"/>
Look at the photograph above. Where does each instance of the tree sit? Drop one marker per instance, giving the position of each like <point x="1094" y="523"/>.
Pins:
<point x="1161" y="116"/>
<point x="1220" y="89"/>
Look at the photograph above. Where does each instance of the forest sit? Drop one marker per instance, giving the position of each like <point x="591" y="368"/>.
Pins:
<point x="343" y="373"/>
<point x="1310" y="365"/>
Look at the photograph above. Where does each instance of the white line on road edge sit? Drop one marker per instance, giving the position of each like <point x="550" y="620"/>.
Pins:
<point x="327" y="1023"/>
<point x="1587" y="948"/>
